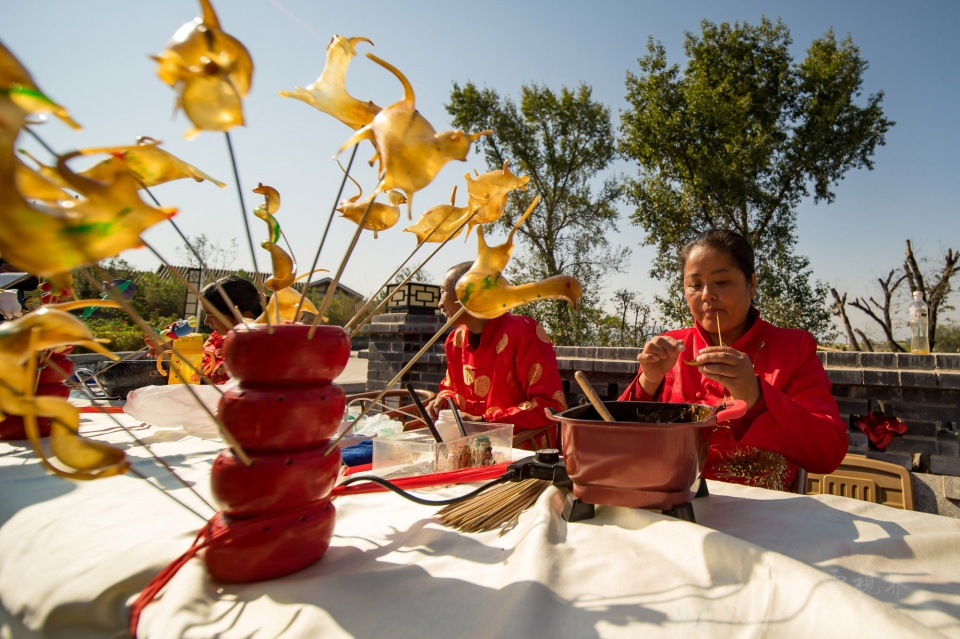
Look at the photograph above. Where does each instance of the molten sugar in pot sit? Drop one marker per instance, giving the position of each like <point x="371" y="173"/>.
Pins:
<point x="650" y="456"/>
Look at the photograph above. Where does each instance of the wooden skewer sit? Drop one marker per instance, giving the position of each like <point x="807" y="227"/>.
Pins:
<point x="152" y="334"/>
<point x="323" y="238"/>
<point x="592" y="396"/>
<point x="328" y="297"/>
<point x="386" y="299"/>
<point x="403" y="371"/>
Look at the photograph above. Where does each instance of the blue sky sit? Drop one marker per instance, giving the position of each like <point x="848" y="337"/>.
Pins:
<point x="91" y="56"/>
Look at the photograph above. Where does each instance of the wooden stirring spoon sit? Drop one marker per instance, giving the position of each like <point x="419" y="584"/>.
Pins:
<point x="592" y="396"/>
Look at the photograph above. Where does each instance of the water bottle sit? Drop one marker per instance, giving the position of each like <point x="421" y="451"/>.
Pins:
<point x="919" y="333"/>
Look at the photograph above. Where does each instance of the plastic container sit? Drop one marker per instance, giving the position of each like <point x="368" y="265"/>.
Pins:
<point x="919" y="326"/>
<point x="415" y="452"/>
<point x="186" y="362"/>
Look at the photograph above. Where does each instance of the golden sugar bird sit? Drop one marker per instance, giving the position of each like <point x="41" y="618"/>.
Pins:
<point x="380" y="217"/>
<point x="409" y="149"/>
<point x="284" y="266"/>
<point x="440" y="223"/>
<point x="51" y="241"/>
<point x="16" y="83"/>
<point x="210" y="70"/>
<point x="488" y="193"/>
<point x="42" y="183"/>
<point x="329" y="92"/>
<point x="485" y="293"/>
<point x="48" y="328"/>
<point x="150" y="164"/>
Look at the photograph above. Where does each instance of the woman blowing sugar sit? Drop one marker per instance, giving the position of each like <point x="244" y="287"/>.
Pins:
<point x="792" y="419"/>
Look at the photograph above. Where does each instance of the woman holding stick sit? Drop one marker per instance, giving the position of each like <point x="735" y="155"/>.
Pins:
<point x="792" y="420"/>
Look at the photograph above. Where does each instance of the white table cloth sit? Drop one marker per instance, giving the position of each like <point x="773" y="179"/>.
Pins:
<point x="73" y="556"/>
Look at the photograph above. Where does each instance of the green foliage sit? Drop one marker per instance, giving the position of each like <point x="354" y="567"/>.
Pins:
<point x="736" y="141"/>
<point x="123" y="333"/>
<point x="341" y="310"/>
<point x="154" y="298"/>
<point x="948" y="338"/>
<point x="561" y="141"/>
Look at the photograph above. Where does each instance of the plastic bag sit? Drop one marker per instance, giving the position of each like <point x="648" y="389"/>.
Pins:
<point x="174" y="406"/>
<point x="377" y="426"/>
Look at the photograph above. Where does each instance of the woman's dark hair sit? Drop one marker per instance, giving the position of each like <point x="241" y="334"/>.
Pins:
<point x="242" y="293"/>
<point x="731" y="242"/>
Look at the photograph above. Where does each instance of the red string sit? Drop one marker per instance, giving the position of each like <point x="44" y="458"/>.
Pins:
<point x="157" y="583"/>
<point x="237" y="529"/>
<point x="240" y="528"/>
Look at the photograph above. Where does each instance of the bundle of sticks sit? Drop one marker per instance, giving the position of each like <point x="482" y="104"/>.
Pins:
<point x="499" y="507"/>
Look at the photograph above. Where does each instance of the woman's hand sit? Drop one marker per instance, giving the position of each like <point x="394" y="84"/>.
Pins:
<point x="435" y="405"/>
<point x="658" y="356"/>
<point x="733" y="370"/>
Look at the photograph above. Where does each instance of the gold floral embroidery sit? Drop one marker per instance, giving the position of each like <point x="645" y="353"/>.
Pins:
<point x="481" y="386"/>
<point x="527" y="405"/>
<point x="446" y="379"/>
<point x="490" y="411"/>
<point x="461" y="401"/>
<point x="458" y="337"/>
<point x="468" y="374"/>
<point x="502" y="344"/>
<point x="755" y="467"/>
<point x="542" y="334"/>
<point x="534" y="374"/>
<point x="560" y="399"/>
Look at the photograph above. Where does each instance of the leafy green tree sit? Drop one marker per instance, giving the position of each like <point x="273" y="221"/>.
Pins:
<point x="949" y="338"/>
<point x="736" y="141"/>
<point x="561" y="141"/>
<point x="155" y="299"/>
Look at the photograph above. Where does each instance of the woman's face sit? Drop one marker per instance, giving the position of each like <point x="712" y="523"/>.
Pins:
<point x="211" y="320"/>
<point x="718" y="293"/>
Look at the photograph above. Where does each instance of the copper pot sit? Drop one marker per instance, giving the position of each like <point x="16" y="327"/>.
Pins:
<point x="650" y="456"/>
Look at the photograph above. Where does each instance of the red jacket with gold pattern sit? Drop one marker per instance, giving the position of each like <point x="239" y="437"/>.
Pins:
<point x="510" y="377"/>
<point x="214" y="364"/>
<point x="794" y="423"/>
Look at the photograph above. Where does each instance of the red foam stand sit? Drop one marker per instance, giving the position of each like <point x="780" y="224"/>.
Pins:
<point x="276" y="516"/>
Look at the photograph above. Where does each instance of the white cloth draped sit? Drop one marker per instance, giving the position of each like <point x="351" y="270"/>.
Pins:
<point x="73" y="556"/>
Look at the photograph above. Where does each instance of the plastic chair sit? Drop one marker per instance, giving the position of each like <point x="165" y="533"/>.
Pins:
<point x="865" y="479"/>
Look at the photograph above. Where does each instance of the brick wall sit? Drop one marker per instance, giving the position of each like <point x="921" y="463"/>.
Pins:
<point x="394" y="339"/>
<point x="923" y="391"/>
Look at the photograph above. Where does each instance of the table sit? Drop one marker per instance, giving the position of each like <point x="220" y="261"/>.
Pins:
<point x="757" y="563"/>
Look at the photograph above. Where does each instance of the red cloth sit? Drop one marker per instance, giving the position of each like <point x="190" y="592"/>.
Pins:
<point x="796" y="417"/>
<point x="214" y="366"/>
<point x="880" y="428"/>
<point x="510" y="378"/>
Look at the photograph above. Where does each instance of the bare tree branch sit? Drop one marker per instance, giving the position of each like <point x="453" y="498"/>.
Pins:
<point x="840" y="311"/>
<point x="889" y="286"/>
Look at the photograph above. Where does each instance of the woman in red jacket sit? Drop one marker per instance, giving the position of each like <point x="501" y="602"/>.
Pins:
<point x="792" y="419"/>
